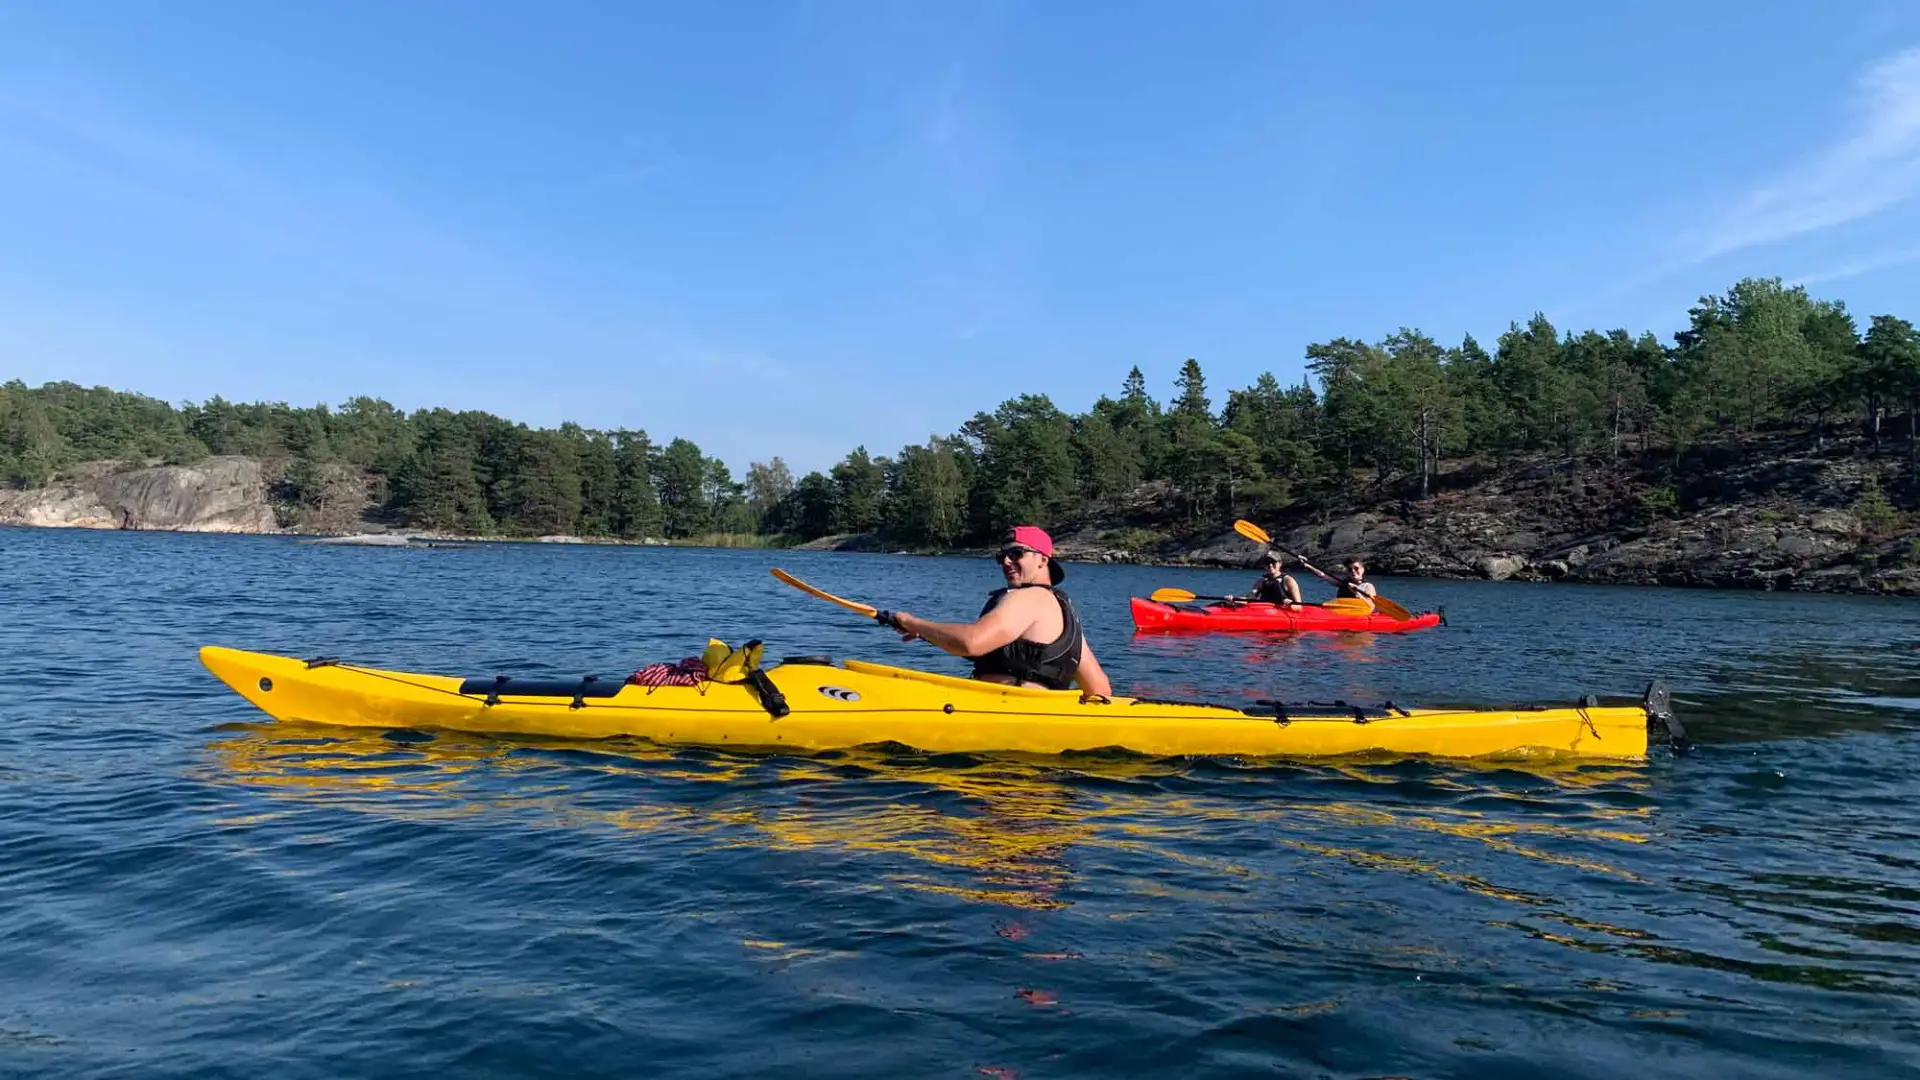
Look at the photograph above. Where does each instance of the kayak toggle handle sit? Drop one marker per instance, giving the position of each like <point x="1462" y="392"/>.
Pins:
<point x="580" y="692"/>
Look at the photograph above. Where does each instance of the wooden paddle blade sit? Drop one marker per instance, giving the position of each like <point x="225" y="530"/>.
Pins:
<point x="1171" y="596"/>
<point x="1391" y="609"/>
<point x="863" y="609"/>
<point x="1252" y="532"/>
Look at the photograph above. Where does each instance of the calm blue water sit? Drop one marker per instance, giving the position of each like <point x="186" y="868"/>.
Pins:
<point x="188" y="889"/>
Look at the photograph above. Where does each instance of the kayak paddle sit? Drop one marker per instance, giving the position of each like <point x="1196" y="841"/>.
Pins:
<point x="1181" y="596"/>
<point x="884" y="618"/>
<point x="1253" y="532"/>
<point x="1259" y="536"/>
<point x="865" y="609"/>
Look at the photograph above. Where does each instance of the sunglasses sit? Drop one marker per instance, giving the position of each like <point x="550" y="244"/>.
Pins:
<point x="1012" y="554"/>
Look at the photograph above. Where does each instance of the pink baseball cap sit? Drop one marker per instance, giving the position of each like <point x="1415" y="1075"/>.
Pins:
<point x="1032" y="536"/>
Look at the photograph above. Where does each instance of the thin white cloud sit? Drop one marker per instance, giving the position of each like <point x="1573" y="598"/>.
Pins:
<point x="1875" y="166"/>
<point x="1872" y="168"/>
<point x="343" y="223"/>
<point x="525" y="347"/>
<point x="632" y="160"/>
<point x="1883" y="260"/>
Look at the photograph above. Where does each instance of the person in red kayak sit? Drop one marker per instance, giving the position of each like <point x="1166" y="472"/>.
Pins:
<point x="1274" y="586"/>
<point x="1351" y="585"/>
<point x="1027" y="634"/>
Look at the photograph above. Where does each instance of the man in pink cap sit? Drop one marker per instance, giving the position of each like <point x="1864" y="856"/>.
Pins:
<point x="1027" y="634"/>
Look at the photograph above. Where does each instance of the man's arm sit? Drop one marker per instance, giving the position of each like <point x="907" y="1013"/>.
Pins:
<point x="1091" y="677"/>
<point x="1319" y="573"/>
<point x="1005" y="623"/>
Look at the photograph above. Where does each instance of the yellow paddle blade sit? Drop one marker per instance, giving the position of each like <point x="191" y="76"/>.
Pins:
<point x="1171" y="596"/>
<point x="1391" y="609"/>
<point x="1348" y="603"/>
<point x="1252" y="532"/>
<point x="863" y="609"/>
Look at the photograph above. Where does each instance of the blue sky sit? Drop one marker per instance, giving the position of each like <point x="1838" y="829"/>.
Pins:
<point x="791" y="228"/>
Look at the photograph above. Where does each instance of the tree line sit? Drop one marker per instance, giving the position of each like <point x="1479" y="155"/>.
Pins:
<point x="1761" y="358"/>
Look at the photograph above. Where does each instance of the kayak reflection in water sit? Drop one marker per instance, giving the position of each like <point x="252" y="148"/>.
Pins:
<point x="1275" y="585"/>
<point x="1027" y="634"/>
<point x="1351" y="585"/>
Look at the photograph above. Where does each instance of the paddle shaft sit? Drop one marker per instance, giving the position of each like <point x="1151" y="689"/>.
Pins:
<point x="1260" y="536"/>
<point x="1387" y="607"/>
<point x="1182" y="596"/>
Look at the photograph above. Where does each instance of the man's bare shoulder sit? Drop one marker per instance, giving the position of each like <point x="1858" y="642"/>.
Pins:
<point x="1030" y="599"/>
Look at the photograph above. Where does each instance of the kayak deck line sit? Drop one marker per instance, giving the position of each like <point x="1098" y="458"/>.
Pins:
<point x="584" y="692"/>
<point x="828" y="705"/>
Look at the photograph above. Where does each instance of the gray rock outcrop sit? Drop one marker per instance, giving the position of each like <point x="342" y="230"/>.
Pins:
<point x="221" y="494"/>
<point x="1775" y="523"/>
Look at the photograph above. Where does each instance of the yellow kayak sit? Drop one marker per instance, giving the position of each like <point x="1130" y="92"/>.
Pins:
<point x="810" y="703"/>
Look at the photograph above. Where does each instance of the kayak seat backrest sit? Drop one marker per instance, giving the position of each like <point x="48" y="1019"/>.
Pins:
<point x="591" y="686"/>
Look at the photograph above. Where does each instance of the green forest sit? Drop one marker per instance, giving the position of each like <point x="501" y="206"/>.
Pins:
<point x="1384" y="416"/>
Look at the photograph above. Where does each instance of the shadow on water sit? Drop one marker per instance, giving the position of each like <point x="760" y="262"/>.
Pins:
<point x="1010" y="820"/>
<point x="1772" y="697"/>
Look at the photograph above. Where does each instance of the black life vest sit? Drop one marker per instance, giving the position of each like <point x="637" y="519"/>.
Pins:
<point x="1052" y="665"/>
<point x="1271" y="590"/>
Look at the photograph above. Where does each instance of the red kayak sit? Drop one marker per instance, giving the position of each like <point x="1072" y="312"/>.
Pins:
<point x="1148" y="615"/>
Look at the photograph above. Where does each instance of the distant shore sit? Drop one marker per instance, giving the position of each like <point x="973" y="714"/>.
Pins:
<point x="1227" y="551"/>
<point x="1786" y="519"/>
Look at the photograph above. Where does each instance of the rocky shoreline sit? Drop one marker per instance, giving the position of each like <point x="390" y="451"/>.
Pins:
<point x="1781" y="521"/>
<point x="230" y="494"/>
<point x="1815" y="557"/>
<point x="221" y="495"/>
<point x="1802" y="523"/>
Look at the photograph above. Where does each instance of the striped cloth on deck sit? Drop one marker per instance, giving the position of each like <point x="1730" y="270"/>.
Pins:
<point x="689" y="672"/>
